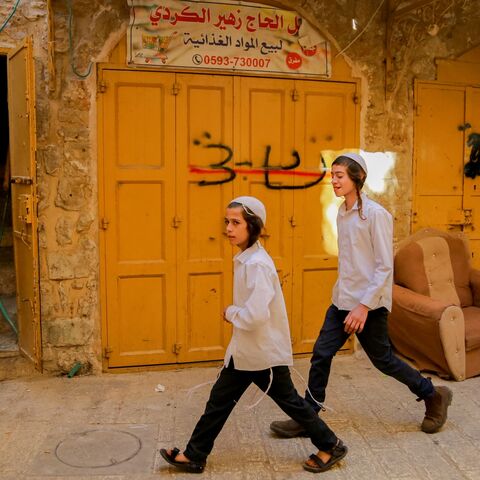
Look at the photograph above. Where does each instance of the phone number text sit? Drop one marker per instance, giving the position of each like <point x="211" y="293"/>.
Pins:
<point x="230" y="61"/>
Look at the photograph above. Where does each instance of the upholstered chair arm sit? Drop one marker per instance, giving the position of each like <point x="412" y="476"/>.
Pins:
<point x="431" y="331"/>
<point x="475" y="286"/>
<point x="419" y="304"/>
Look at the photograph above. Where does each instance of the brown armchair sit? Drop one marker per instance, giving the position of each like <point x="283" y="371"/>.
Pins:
<point x="435" y="319"/>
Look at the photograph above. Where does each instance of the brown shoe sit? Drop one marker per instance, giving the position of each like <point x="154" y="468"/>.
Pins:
<point x="288" y="429"/>
<point x="436" y="410"/>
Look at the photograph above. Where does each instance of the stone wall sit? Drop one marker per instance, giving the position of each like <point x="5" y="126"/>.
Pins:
<point x="68" y="211"/>
<point x="67" y="171"/>
<point x="415" y="37"/>
<point x="66" y="127"/>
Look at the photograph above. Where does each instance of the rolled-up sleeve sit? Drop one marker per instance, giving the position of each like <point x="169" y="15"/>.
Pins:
<point x="381" y="231"/>
<point x="255" y="312"/>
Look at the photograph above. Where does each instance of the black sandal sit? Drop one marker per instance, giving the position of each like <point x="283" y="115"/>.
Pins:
<point x="338" y="452"/>
<point x="190" y="467"/>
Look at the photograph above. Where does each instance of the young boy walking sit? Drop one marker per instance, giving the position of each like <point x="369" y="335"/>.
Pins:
<point x="362" y="298"/>
<point x="259" y="352"/>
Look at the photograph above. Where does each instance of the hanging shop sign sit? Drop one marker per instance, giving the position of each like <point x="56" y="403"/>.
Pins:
<point x="224" y="36"/>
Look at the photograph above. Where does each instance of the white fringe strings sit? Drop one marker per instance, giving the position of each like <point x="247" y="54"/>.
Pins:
<point x="212" y="382"/>
<point x="322" y="406"/>
<point x="253" y="405"/>
<point x="201" y="385"/>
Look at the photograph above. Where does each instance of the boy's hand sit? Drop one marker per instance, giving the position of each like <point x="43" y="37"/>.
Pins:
<point x="225" y="315"/>
<point x="355" y="320"/>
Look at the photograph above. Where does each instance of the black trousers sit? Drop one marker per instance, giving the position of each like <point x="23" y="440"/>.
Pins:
<point x="376" y="343"/>
<point x="227" y="391"/>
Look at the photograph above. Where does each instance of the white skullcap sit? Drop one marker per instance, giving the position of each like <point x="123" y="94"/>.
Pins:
<point x="356" y="158"/>
<point x="255" y="205"/>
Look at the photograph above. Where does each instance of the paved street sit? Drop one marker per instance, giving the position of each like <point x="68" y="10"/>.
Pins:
<point x="112" y="426"/>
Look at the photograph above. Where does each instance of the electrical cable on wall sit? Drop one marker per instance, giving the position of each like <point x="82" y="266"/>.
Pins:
<point x="363" y="30"/>
<point x="12" y="13"/>
<point x="70" y="44"/>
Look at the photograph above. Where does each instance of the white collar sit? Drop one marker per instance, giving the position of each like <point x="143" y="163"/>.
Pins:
<point x="247" y="253"/>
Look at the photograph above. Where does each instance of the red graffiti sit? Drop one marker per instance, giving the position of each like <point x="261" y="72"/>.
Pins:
<point x="256" y="171"/>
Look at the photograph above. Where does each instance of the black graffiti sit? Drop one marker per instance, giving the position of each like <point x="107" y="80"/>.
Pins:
<point x="220" y="166"/>
<point x="267" y="169"/>
<point x="295" y="164"/>
<point x="472" y="167"/>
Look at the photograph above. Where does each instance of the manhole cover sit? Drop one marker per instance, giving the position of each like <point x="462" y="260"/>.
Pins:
<point x="98" y="448"/>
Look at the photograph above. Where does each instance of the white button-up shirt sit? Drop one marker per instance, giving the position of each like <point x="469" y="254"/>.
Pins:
<point x="365" y="257"/>
<point x="261" y="334"/>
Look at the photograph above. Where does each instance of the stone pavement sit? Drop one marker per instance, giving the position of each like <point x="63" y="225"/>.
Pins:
<point x="110" y="427"/>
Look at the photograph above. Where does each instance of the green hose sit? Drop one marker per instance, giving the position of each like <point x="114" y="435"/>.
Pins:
<point x="74" y="370"/>
<point x="7" y="318"/>
<point x="4" y="215"/>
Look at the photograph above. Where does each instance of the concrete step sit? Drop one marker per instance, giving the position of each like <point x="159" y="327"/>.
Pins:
<point x="8" y="341"/>
<point x="13" y="365"/>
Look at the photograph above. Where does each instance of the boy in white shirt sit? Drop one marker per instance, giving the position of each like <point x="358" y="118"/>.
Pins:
<point x="259" y="352"/>
<point x="362" y="298"/>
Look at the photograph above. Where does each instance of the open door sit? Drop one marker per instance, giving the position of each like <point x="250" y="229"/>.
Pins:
<point x="21" y="104"/>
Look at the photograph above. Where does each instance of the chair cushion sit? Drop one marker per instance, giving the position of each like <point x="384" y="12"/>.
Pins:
<point x="437" y="262"/>
<point x="409" y="271"/>
<point x="472" y="328"/>
<point x="437" y="266"/>
<point x="460" y="256"/>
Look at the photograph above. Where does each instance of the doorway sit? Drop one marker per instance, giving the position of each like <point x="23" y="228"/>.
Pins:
<point x="20" y="205"/>
<point x="8" y="308"/>
<point x="174" y="149"/>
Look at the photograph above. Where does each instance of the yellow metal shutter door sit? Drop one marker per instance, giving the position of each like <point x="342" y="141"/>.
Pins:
<point x="471" y="202"/>
<point x="138" y="115"/>
<point x="21" y="105"/>
<point x="266" y="112"/>
<point x="438" y="152"/>
<point x="204" y="126"/>
<point x="326" y="118"/>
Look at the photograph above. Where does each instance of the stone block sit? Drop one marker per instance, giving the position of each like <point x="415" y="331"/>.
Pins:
<point x="82" y="266"/>
<point x="77" y="152"/>
<point x="78" y="284"/>
<point x="68" y="332"/>
<point x="71" y="133"/>
<point x="60" y="266"/>
<point x="67" y="266"/>
<point x="34" y="10"/>
<point x="76" y="168"/>
<point x="64" y="231"/>
<point x="84" y="222"/>
<point x="86" y="305"/>
<point x="73" y="116"/>
<point x="72" y="193"/>
<point x="76" y="96"/>
<point x="51" y="157"/>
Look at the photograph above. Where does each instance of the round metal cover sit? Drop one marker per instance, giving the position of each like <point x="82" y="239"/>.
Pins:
<point x="98" y="448"/>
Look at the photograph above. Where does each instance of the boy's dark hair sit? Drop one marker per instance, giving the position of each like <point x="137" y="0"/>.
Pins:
<point x="254" y="223"/>
<point x="357" y="176"/>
